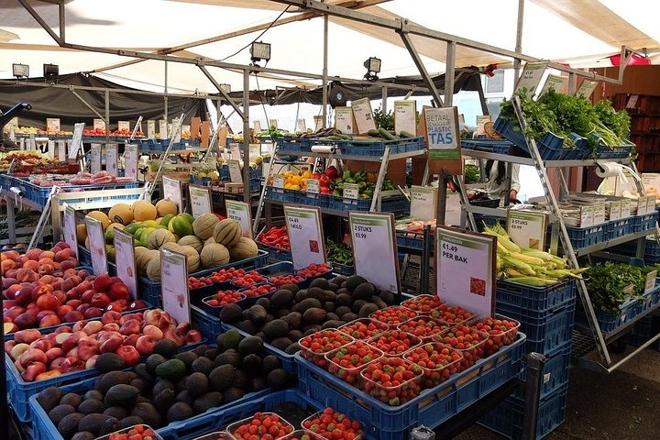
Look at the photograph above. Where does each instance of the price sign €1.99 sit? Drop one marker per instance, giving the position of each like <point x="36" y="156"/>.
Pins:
<point x="305" y="236"/>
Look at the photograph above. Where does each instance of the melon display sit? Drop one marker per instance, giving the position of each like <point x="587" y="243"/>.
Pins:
<point x="192" y="258"/>
<point x="159" y="237"/>
<point x="143" y="210"/>
<point x="110" y="231"/>
<point x="191" y="240"/>
<point x="171" y="246"/>
<point x="180" y="225"/>
<point x="141" y="258"/>
<point x="153" y="268"/>
<point x="227" y="232"/>
<point x="121" y="213"/>
<point x="100" y="216"/>
<point x="165" y="220"/>
<point x="81" y="233"/>
<point x="245" y="248"/>
<point x="204" y="224"/>
<point x="165" y="207"/>
<point x="214" y="255"/>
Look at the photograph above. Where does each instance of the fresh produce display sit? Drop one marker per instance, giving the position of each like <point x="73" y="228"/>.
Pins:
<point x="365" y="181"/>
<point x="239" y="278"/>
<point x="34" y="162"/>
<point x="437" y="361"/>
<point x="451" y="314"/>
<point x="112" y="342"/>
<point x="166" y="387"/>
<point x="393" y="316"/>
<point x="258" y="291"/>
<point x="414" y="226"/>
<point x="468" y="340"/>
<point x="347" y="362"/>
<point x="331" y="424"/>
<point x="422" y="304"/>
<point x="138" y="432"/>
<point x="315" y="346"/>
<point x="95" y="132"/>
<point x="394" y="381"/>
<point x="277" y="237"/>
<point x="423" y="327"/>
<point x="290" y="313"/>
<point x="339" y="253"/>
<point x="223" y="297"/>
<point x="394" y="342"/>
<point x="501" y="332"/>
<point x="261" y="426"/>
<point x="99" y="178"/>
<point x="363" y="328"/>
<point x="302" y="434"/>
<point x="613" y="284"/>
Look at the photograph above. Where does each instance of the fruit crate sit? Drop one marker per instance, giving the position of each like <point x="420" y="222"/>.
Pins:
<point x="550" y="146"/>
<point x="126" y="430"/>
<point x="540" y="299"/>
<point x="651" y="299"/>
<point x="288" y="362"/>
<point x="281" y="195"/>
<point x="617" y="228"/>
<point x="609" y="321"/>
<point x="39" y="194"/>
<point x="396" y="204"/>
<point x="545" y="331"/>
<point x="584" y="237"/>
<point x="275" y="255"/>
<point x="490" y="145"/>
<point x="343" y="269"/>
<point x="555" y="372"/>
<point x="651" y="254"/>
<point x="641" y="223"/>
<point x="431" y="408"/>
<point x="410" y="240"/>
<point x="208" y="325"/>
<point x="377" y="148"/>
<point x="507" y="418"/>
<point x="620" y="152"/>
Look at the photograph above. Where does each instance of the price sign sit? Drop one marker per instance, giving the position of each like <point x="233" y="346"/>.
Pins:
<point x="131" y="161"/>
<point x="558" y="83"/>
<point x="405" y="116"/>
<point x="240" y="211"/>
<point x="257" y="126"/>
<point x="200" y="200"/>
<point x="52" y="125"/>
<point x="374" y="249"/>
<point x="344" y="119"/>
<point x="174" y="285"/>
<point x="442" y="133"/>
<point x="318" y="122"/>
<point x="111" y="157"/>
<point x="99" y="124"/>
<point x="235" y="151"/>
<point x="50" y="149"/>
<point x="465" y="269"/>
<point x="481" y="122"/>
<point x="125" y="258"/>
<point x="95" y="165"/>
<point x="364" y="118"/>
<point x="650" y="204"/>
<point x="305" y="236"/>
<point x="123" y="125"/>
<point x="527" y="228"/>
<point x="172" y="191"/>
<point x="632" y="101"/>
<point x="235" y="171"/>
<point x="586" y="88"/>
<point x="625" y="209"/>
<point x="301" y="125"/>
<point x="70" y="235"/>
<point x="162" y="129"/>
<point x="96" y="245"/>
<point x="61" y="151"/>
<point x="423" y="202"/>
<point x="278" y="181"/>
<point x="313" y="186"/>
<point x="586" y="217"/>
<point x="351" y="191"/>
<point x="531" y="77"/>
<point x="76" y="140"/>
<point x="615" y="211"/>
<point x="650" y="281"/>
<point x="272" y="123"/>
<point x="151" y="129"/>
<point x="598" y="212"/>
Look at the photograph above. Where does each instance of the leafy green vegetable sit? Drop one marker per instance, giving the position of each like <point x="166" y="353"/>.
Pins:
<point x="339" y="253"/>
<point x="540" y="119"/>
<point x="618" y="122"/>
<point x="384" y="120"/>
<point x="471" y="174"/>
<point x="612" y="284"/>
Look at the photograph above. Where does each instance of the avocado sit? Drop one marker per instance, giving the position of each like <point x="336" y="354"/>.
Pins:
<point x="281" y="343"/>
<point x="281" y="299"/>
<point x="342" y="310"/>
<point x="117" y="412"/>
<point x="228" y="339"/>
<point x="277" y="379"/>
<point x="197" y="384"/>
<point x="379" y="302"/>
<point x="269" y="363"/>
<point x="166" y="348"/>
<point x="332" y="317"/>
<point x="260" y="334"/>
<point x="281" y="313"/>
<point x="316" y="293"/>
<point x="294" y="320"/>
<point x="49" y="398"/>
<point x="222" y="377"/>
<point x="300" y="296"/>
<point x="305" y="304"/>
<point x="179" y="411"/>
<point x="173" y="369"/>
<point x="294" y="335"/>
<point x="292" y="287"/>
<point x="293" y="348"/>
<point x="129" y="421"/>
<point x="185" y="397"/>
<point x="364" y="291"/>
<point x="386" y="296"/>
<point x="357" y="305"/>
<point x="276" y="329"/>
<point x="138" y="383"/>
<point x="338" y="280"/>
<point x="230" y="357"/>
<point x="210" y="353"/>
<point x="233" y="394"/>
<point x="69" y="424"/>
<point x="344" y="299"/>
<point x="320" y="282"/>
<point x="153" y="361"/>
<point x="72" y="399"/>
<point x="344" y="291"/>
<point x="142" y="372"/>
<point x="348" y="317"/>
<point x="309" y="329"/>
<point x="264" y="302"/>
<point x="121" y="395"/>
<point x="207" y="401"/>
<point x="202" y="365"/>
<point x="164" y="399"/>
<point x="110" y="425"/>
<point x="240" y="379"/>
<point x="329" y="306"/>
<point x="89" y="406"/>
<point x="109" y="362"/>
<point x="367" y="310"/>
<point x="160" y="385"/>
<point x="59" y="412"/>
<point x="83" y="435"/>
<point x="148" y="413"/>
<point x="92" y="394"/>
<point x="314" y="315"/>
<point x="333" y="287"/>
<point x="93" y="422"/>
<point x="187" y="357"/>
<point x="353" y="281"/>
<point x="231" y="313"/>
<point x="332" y="324"/>
<point x="247" y="326"/>
<point x="257" y="314"/>
<point x="252" y="363"/>
<point x="250" y="345"/>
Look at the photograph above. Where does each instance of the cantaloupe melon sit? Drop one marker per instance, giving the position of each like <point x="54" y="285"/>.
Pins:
<point x="204" y="224"/>
<point x="192" y="258"/>
<point x="143" y="210"/>
<point x="171" y="246"/>
<point x="214" y="255"/>
<point x="153" y="268"/>
<point x="100" y="216"/>
<point x="81" y="233"/>
<point x="245" y="248"/>
<point x="227" y="232"/>
<point x="191" y="240"/>
<point x="121" y="213"/>
<point x="141" y="258"/>
<point x="165" y="207"/>
<point x="110" y="232"/>
<point x="159" y="237"/>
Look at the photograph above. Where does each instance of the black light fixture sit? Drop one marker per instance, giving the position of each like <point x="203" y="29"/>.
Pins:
<point x="20" y="70"/>
<point x="372" y="64"/>
<point x="260" y="51"/>
<point x="51" y="71"/>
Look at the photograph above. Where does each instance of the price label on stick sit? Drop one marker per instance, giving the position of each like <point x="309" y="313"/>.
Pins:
<point x="375" y="252"/>
<point x="405" y="116"/>
<point x="531" y="77"/>
<point x="558" y="83"/>
<point x="650" y="281"/>
<point x="527" y="228"/>
<point x="99" y="124"/>
<point x="174" y="285"/>
<point x="200" y="200"/>
<point x="278" y="181"/>
<point x="272" y="123"/>
<point x="240" y="211"/>
<point x="465" y="269"/>
<point x="151" y="129"/>
<point x="131" y="161"/>
<point x="351" y="191"/>
<point x="70" y="235"/>
<point x="301" y="126"/>
<point x="123" y="125"/>
<point x="305" y="236"/>
<point x="364" y="118"/>
<point x="111" y="157"/>
<point x="423" y="202"/>
<point x="61" y="151"/>
<point x="96" y="245"/>
<point x="344" y="120"/>
<point x="172" y="191"/>
<point x="95" y="164"/>
<point x="76" y="140"/>
<point x="313" y="186"/>
<point x="235" y="171"/>
<point x="53" y="125"/>
<point x="125" y="258"/>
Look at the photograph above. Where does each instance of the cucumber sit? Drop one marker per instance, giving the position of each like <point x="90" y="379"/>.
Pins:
<point x="405" y="134"/>
<point x="374" y="132"/>
<point x="386" y="134"/>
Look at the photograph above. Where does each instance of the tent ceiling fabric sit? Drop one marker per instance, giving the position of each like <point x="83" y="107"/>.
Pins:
<point x="585" y="31"/>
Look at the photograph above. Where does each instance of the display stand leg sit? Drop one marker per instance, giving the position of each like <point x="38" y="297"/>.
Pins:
<point x="379" y="182"/>
<point x="533" y="384"/>
<point x="462" y="193"/>
<point x="425" y="264"/>
<point x="11" y="219"/>
<point x="260" y="206"/>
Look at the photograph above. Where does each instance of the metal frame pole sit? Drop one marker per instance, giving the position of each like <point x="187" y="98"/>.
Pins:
<point x="450" y="62"/>
<point x="422" y="69"/>
<point x="384" y="98"/>
<point x="246" y="136"/>
<point x="325" y="71"/>
<point x="533" y="384"/>
<point x="165" y="99"/>
<point x="107" y="116"/>
<point x="519" y="35"/>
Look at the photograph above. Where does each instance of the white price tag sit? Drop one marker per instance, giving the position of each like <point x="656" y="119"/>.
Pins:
<point x="99" y="124"/>
<point x="61" y="151"/>
<point x="305" y="236"/>
<point x="111" y="157"/>
<point x="162" y="129"/>
<point x="481" y="122"/>
<point x="586" y="217"/>
<point x="131" y="161"/>
<point x="76" y="140"/>
<point x="598" y="212"/>
<point x="313" y="186"/>
<point x="50" y="150"/>
<point x="174" y="285"/>
<point x="240" y="211"/>
<point x="301" y="126"/>
<point x="531" y="77"/>
<point x="615" y="211"/>
<point x="95" y="164"/>
<point x="172" y="191"/>
<point x="272" y="123"/>
<point x="96" y="245"/>
<point x="344" y="120"/>
<point x="375" y="252"/>
<point x="123" y="125"/>
<point x="558" y="83"/>
<point x="200" y="200"/>
<point x="364" y="117"/>
<point x="125" y="258"/>
<point x="650" y="281"/>
<point x="257" y="126"/>
<point x="465" y="270"/>
<point x="527" y="228"/>
<point x="650" y="204"/>
<point x="625" y="209"/>
<point x="151" y="129"/>
<point x="442" y="133"/>
<point x="586" y="88"/>
<point x="423" y="202"/>
<point x="405" y="116"/>
<point x="70" y="234"/>
<point x="235" y="151"/>
<point x="641" y="206"/>
<point x="235" y="171"/>
<point x="52" y="125"/>
<point x="351" y="191"/>
<point x="632" y="101"/>
<point x="278" y="182"/>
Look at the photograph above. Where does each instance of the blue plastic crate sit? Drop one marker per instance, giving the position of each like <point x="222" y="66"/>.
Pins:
<point x="611" y="321"/>
<point x="651" y="253"/>
<point x="39" y="195"/>
<point x="208" y="325"/>
<point x="550" y="146"/>
<point x="275" y="255"/>
<point x="490" y="145"/>
<point x="377" y="147"/>
<point x="409" y="240"/>
<point x="343" y="269"/>
<point x="584" y="237"/>
<point x="431" y="408"/>
<point x="554" y="374"/>
<point x="84" y="256"/>
<point x="643" y="330"/>
<point x="540" y="299"/>
<point x="604" y="152"/>
<point x="641" y="223"/>
<point x="281" y="195"/>
<point x="507" y="418"/>
<point x="617" y="228"/>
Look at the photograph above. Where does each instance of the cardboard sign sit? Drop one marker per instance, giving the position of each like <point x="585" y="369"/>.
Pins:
<point x="240" y="211"/>
<point x="375" y="253"/>
<point x="69" y="230"/>
<point x="481" y="122"/>
<point x="272" y="123"/>
<point x="123" y="125"/>
<point x="151" y="129"/>
<point x="125" y="259"/>
<point x="649" y="285"/>
<point x="405" y="116"/>
<point x="200" y="200"/>
<point x="257" y="126"/>
<point x="586" y="89"/>
<point x="174" y="285"/>
<point x="76" y="140"/>
<point x="556" y="82"/>
<point x="344" y="119"/>
<point x="96" y="245"/>
<point x="52" y="125"/>
<point x="527" y="228"/>
<point x="465" y="269"/>
<point x="305" y="236"/>
<point x="351" y="191"/>
<point x="111" y="159"/>
<point x="172" y="191"/>
<point x="614" y="210"/>
<point x="364" y="117"/>
<point x="235" y="171"/>
<point x="301" y="125"/>
<point x="531" y="77"/>
<point x="95" y="164"/>
<point x="162" y="129"/>
<point x="235" y="151"/>
<point x="423" y="202"/>
<point x="61" y="151"/>
<point x="442" y="133"/>
<point x="131" y="161"/>
<point x="99" y="124"/>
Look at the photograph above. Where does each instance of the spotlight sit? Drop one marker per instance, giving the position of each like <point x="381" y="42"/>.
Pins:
<point x="260" y="51"/>
<point x="20" y="70"/>
<point x="372" y="64"/>
<point x="51" y="71"/>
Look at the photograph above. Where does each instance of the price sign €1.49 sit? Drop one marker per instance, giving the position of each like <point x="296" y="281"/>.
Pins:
<point x="111" y="157"/>
<point x="125" y="258"/>
<point x="174" y="285"/>
<point x="305" y="236"/>
<point x="96" y="245"/>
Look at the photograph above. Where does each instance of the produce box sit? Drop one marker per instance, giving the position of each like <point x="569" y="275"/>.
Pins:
<point x="377" y="147"/>
<point x="538" y="299"/>
<point x="609" y="321"/>
<point x="550" y="146"/>
<point x="555" y="372"/>
<point x="490" y="145"/>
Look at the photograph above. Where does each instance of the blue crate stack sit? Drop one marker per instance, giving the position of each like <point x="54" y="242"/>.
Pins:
<point x="546" y="316"/>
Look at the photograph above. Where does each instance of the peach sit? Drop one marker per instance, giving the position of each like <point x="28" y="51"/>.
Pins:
<point x="27" y="336"/>
<point x="9" y="345"/>
<point x="42" y="313"/>
<point x="93" y="312"/>
<point x="117" y="306"/>
<point x="73" y="316"/>
<point x="92" y="327"/>
<point x="110" y="316"/>
<point x="73" y="303"/>
<point x="112" y="343"/>
<point x="91" y="362"/>
<point x="63" y="310"/>
<point x="153" y="332"/>
<point x="87" y="296"/>
<point x="71" y="364"/>
<point x="83" y="273"/>
<point x="62" y="337"/>
<point x="129" y="354"/>
<point x="48" y="375"/>
<point x="193" y="337"/>
<point x="24" y="294"/>
<point x="34" y="370"/>
<point x="10" y="255"/>
<point x="100" y="300"/>
<point x="47" y="254"/>
<point x="69" y="272"/>
<point x="48" y="301"/>
<point x="111" y="327"/>
<point x="9" y="327"/>
<point x="46" y="279"/>
<point x="130" y="327"/>
<point x="61" y="296"/>
<point x="43" y="344"/>
<point x="13" y="312"/>
<point x="7" y="265"/>
<point x="57" y="362"/>
<point x="11" y="273"/>
<point x="18" y="350"/>
<point x="68" y="264"/>
<point x="87" y="349"/>
<point x="7" y="284"/>
<point x="49" y="321"/>
<point x="54" y="353"/>
<point x="72" y="341"/>
<point x="131" y="339"/>
<point x="145" y="345"/>
<point x="32" y="355"/>
<point x="33" y="254"/>
<point x="63" y="329"/>
<point x="26" y="320"/>
<point x="31" y="265"/>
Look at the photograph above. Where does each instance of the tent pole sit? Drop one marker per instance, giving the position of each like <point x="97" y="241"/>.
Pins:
<point x="107" y="116"/>
<point x="422" y="70"/>
<point x="325" y="71"/>
<point x="165" y="100"/>
<point x="221" y="90"/>
<point x="449" y="73"/>
<point x="246" y="136"/>
<point x="519" y="34"/>
<point x="80" y="98"/>
<point x="384" y="104"/>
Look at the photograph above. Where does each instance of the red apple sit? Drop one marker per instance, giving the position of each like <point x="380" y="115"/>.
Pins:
<point x="92" y="327"/>
<point x="129" y="354"/>
<point x="48" y="301"/>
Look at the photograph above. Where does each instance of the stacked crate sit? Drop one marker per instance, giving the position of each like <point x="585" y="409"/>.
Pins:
<point x="546" y="316"/>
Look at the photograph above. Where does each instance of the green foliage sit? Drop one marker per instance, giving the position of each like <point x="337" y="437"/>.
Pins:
<point x="612" y="284"/>
<point x="618" y="122"/>
<point x="384" y="120"/>
<point x="471" y="174"/>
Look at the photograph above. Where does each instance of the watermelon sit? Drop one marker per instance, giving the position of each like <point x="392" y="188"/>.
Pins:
<point x="165" y="221"/>
<point x="181" y="225"/>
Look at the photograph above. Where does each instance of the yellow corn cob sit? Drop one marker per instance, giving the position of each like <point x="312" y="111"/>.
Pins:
<point x="545" y="256"/>
<point x="518" y="265"/>
<point x="508" y="244"/>
<point x="532" y="281"/>
<point x="527" y="258"/>
<point x="501" y="249"/>
<point x="514" y="273"/>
